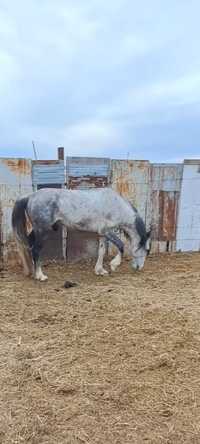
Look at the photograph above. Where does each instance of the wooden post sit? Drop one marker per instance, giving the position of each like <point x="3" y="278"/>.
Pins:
<point x="61" y="153"/>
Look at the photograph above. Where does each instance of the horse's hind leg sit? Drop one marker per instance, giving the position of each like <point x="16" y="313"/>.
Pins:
<point x="37" y="244"/>
<point x="99" y="270"/>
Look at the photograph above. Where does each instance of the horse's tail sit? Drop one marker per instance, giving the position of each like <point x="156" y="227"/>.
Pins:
<point x="19" y="221"/>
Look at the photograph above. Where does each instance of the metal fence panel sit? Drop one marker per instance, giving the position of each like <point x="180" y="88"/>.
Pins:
<point x="15" y="182"/>
<point x="165" y="186"/>
<point x="188" y="230"/>
<point x="46" y="172"/>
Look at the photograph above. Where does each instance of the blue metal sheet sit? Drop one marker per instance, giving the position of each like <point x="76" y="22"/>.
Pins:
<point x="87" y="166"/>
<point x="48" y="173"/>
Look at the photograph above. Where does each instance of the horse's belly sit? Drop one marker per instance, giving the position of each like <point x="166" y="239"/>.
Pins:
<point x="96" y="226"/>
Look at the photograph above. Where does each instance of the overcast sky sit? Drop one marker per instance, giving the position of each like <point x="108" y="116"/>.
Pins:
<point x="112" y="78"/>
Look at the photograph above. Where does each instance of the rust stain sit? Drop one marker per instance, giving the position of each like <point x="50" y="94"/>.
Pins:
<point x="45" y="162"/>
<point x="88" y="182"/>
<point x="122" y="186"/>
<point x="142" y="164"/>
<point x="18" y="166"/>
<point x="167" y="215"/>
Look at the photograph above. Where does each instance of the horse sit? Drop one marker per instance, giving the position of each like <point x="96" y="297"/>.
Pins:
<point x="100" y="211"/>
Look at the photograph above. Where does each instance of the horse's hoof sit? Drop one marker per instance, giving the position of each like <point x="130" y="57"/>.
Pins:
<point x="41" y="278"/>
<point x="101" y="272"/>
<point x="44" y="278"/>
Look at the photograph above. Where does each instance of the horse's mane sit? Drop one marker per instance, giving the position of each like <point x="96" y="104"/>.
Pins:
<point x="141" y="229"/>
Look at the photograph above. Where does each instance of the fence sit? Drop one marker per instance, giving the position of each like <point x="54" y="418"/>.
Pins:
<point x="166" y="196"/>
<point x="15" y="181"/>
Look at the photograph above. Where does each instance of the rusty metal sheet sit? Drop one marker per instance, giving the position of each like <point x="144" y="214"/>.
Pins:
<point x="165" y="185"/>
<point x="85" y="182"/>
<point x="154" y="189"/>
<point x="166" y="177"/>
<point x="15" y="171"/>
<point x="164" y="219"/>
<point x="17" y="166"/>
<point x="15" y="181"/>
<point x="87" y="172"/>
<point x="131" y="179"/>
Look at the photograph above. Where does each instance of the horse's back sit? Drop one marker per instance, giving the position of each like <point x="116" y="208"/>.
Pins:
<point x="50" y="204"/>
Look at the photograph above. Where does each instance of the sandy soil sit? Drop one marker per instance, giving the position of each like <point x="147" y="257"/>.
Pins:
<point x="114" y="360"/>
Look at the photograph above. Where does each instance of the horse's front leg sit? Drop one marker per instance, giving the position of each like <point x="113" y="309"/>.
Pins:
<point x="116" y="261"/>
<point x="99" y="270"/>
<point x="37" y="245"/>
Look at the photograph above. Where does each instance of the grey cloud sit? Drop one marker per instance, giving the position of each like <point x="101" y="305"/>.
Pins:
<point x="100" y="78"/>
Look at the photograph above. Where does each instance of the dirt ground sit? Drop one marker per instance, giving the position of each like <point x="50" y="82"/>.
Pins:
<point x="115" y="360"/>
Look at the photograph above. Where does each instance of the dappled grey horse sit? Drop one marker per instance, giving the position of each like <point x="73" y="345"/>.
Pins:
<point x="98" y="210"/>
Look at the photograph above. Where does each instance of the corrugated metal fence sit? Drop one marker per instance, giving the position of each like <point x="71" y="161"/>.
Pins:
<point x="15" y="181"/>
<point x="166" y="196"/>
<point x="165" y="186"/>
<point x="188" y="229"/>
<point x="154" y="189"/>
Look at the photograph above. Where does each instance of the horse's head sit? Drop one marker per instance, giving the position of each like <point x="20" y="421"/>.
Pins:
<point x="141" y="244"/>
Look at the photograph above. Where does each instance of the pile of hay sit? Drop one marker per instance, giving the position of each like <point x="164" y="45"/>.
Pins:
<point x="114" y="360"/>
